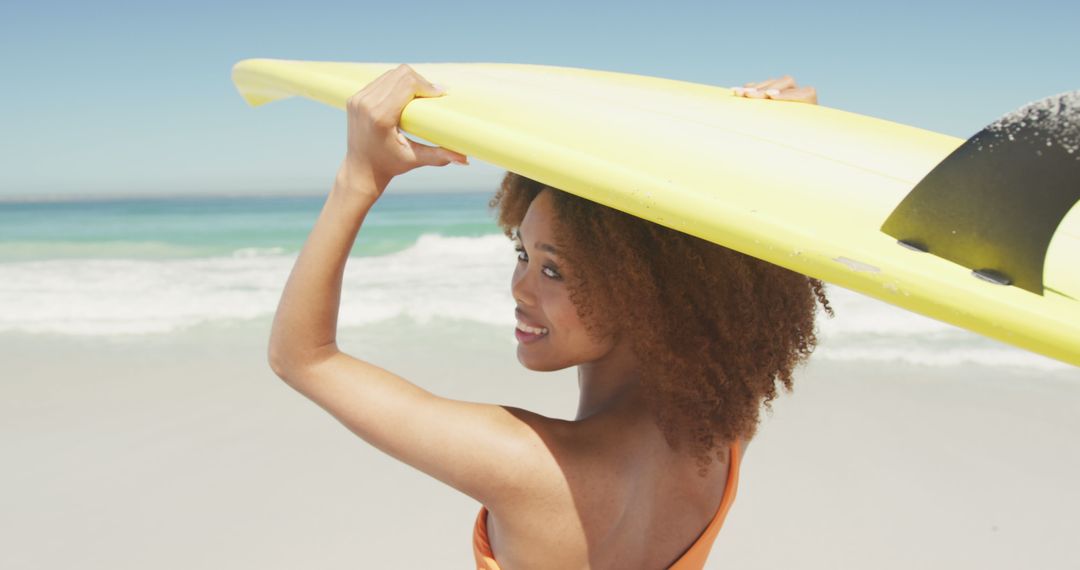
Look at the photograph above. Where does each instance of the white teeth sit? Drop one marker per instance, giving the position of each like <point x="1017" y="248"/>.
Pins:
<point x="531" y="330"/>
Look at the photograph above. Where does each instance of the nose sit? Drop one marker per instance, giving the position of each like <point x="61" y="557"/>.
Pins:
<point x="521" y="286"/>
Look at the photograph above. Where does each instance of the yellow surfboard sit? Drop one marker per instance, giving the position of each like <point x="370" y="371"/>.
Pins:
<point x="806" y="187"/>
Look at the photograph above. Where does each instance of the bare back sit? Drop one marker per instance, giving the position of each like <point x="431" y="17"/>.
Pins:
<point x="620" y="497"/>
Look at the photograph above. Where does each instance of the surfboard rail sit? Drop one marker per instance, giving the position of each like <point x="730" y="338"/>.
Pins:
<point x="806" y="187"/>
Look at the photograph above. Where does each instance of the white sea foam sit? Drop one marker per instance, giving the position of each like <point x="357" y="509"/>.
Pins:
<point x="437" y="278"/>
<point x="867" y="329"/>
<point x="464" y="278"/>
<point x="258" y="251"/>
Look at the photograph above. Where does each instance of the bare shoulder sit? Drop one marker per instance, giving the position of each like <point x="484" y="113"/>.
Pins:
<point x="500" y="455"/>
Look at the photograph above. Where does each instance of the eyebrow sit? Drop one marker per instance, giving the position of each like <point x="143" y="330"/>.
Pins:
<point x="539" y="245"/>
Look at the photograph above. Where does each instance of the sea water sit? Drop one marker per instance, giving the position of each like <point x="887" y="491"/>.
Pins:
<point x="159" y="266"/>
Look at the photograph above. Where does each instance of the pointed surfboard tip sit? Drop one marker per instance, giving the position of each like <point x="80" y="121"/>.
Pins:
<point x="251" y="82"/>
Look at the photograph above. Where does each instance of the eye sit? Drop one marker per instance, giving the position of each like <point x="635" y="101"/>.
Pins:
<point x="547" y="269"/>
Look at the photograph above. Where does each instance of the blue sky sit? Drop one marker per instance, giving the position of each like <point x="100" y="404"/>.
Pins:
<point x="136" y="98"/>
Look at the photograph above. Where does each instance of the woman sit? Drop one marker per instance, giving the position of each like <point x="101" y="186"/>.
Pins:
<point x="677" y="342"/>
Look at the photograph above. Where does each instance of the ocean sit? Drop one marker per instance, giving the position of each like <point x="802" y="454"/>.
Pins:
<point x="139" y="267"/>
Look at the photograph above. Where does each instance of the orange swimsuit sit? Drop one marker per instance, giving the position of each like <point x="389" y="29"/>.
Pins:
<point x="693" y="559"/>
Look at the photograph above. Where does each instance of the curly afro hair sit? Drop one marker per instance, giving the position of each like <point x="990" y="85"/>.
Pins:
<point x="713" y="328"/>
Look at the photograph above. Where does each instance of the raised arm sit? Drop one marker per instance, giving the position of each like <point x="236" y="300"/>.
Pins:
<point x="488" y="452"/>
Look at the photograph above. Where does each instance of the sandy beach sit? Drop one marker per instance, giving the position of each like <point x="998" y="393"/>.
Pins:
<point x="185" y="451"/>
<point x="151" y="212"/>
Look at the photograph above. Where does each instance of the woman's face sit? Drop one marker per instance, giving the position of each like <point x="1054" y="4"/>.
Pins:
<point x="543" y="301"/>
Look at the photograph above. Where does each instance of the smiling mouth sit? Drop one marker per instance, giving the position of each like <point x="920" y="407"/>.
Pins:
<point x="525" y="333"/>
<point x="540" y="331"/>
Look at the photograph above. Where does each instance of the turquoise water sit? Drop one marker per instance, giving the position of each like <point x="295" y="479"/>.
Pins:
<point x="154" y="266"/>
<point x="204" y="227"/>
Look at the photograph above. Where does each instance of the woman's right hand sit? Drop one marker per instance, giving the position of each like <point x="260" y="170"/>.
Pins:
<point x="376" y="144"/>
<point x="783" y="88"/>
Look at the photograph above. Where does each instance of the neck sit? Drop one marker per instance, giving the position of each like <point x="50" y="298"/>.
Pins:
<point x="610" y="385"/>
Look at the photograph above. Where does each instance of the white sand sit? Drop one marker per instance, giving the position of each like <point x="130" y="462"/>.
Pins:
<point x="185" y="451"/>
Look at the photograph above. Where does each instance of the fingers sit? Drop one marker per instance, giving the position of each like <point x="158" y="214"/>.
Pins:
<point x="782" y="88"/>
<point x="404" y="85"/>
<point x="386" y="96"/>
<point x="436" y="155"/>
<point x="801" y="94"/>
<point x="374" y="133"/>
<point x="785" y="82"/>
<point x="767" y="88"/>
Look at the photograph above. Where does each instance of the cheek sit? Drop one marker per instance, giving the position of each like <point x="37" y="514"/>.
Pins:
<point x="561" y="312"/>
<point x="569" y="343"/>
<point x="573" y="338"/>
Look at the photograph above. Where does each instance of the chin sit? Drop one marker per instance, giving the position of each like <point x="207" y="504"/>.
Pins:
<point x="538" y="364"/>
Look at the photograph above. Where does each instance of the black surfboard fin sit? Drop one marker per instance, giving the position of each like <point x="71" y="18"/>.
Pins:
<point x="994" y="203"/>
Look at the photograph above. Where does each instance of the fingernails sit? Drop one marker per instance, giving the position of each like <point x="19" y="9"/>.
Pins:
<point x="772" y="92"/>
<point x="438" y="88"/>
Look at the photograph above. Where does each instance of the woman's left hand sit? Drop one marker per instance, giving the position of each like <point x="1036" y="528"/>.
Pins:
<point x="376" y="146"/>
<point x="783" y="88"/>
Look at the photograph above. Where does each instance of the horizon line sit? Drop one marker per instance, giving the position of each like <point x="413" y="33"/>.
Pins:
<point x="114" y="196"/>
